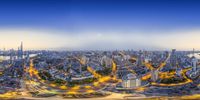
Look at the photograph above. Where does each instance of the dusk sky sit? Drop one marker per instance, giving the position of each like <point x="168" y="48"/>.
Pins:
<point x="100" y="24"/>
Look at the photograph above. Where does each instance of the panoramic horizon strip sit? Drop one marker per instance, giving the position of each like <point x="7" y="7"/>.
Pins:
<point x="100" y="24"/>
<point x="50" y="39"/>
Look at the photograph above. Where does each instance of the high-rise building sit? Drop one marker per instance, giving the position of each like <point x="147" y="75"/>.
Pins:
<point x="154" y="75"/>
<point x="106" y="61"/>
<point x="20" y="51"/>
<point x="173" y="58"/>
<point x="194" y="62"/>
<point x="166" y="54"/>
<point x="140" y="59"/>
<point x="131" y="81"/>
<point x="84" y="60"/>
<point x="80" y="68"/>
<point x="178" y="70"/>
<point x="27" y="61"/>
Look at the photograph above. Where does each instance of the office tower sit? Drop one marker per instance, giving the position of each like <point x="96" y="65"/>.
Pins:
<point x="166" y="54"/>
<point x="106" y="61"/>
<point x="27" y="59"/>
<point x="178" y="70"/>
<point x="80" y="68"/>
<point x="154" y="75"/>
<point x="194" y="62"/>
<point x="20" y="51"/>
<point x="173" y="58"/>
<point x="21" y="46"/>
<point x="140" y="59"/>
<point x="69" y="71"/>
<point x="65" y="67"/>
<point x="84" y="60"/>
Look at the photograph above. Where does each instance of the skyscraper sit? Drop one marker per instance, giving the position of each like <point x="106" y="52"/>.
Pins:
<point x="106" y="61"/>
<point x="20" y="51"/>
<point x="173" y="59"/>
<point x="140" y="58"/>
<point x="194" y="62"/>
<point x="154" y="75"/>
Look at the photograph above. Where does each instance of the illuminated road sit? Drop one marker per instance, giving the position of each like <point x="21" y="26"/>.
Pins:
<point x="149" y="66"/>
<point x="140" y="88"/>
<point x="33" y="83"/>
<point x="78" y="89"/>
<point x="162" y="75"/>
<point x="183" y="72"/>
<point x="97" y="86"/>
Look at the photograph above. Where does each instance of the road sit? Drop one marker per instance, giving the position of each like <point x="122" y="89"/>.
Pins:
<point x="78" y="89"/>
<point x="35" y="83"/>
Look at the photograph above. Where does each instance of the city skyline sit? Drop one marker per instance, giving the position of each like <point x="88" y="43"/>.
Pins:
<point x="100" y="25"/>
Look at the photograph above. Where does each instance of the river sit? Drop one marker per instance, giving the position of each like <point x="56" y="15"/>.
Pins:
<point x="8" y="57"/>
<point x="197" y="55"/>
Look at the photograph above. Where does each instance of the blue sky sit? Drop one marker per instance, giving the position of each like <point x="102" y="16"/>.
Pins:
<point x="101" y="18"/>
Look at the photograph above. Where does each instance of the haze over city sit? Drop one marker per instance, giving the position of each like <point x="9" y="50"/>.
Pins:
<point x="100" y="25"/>
<point x="99" y="49"/>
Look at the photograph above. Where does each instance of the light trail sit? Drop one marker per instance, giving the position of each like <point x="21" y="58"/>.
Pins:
<point x="172" y="84"/>
<point x="141" y="89"/>
<point x="146" y="77"/>
<point x="166" y="75"/>
<point x="8" y="95"/>
<point x="149" y="66"/>
<point x="96" y="75"/>
<point x="190" y="97"/>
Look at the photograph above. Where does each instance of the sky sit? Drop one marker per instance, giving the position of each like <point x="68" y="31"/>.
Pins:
<point x="100" y="24"/>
